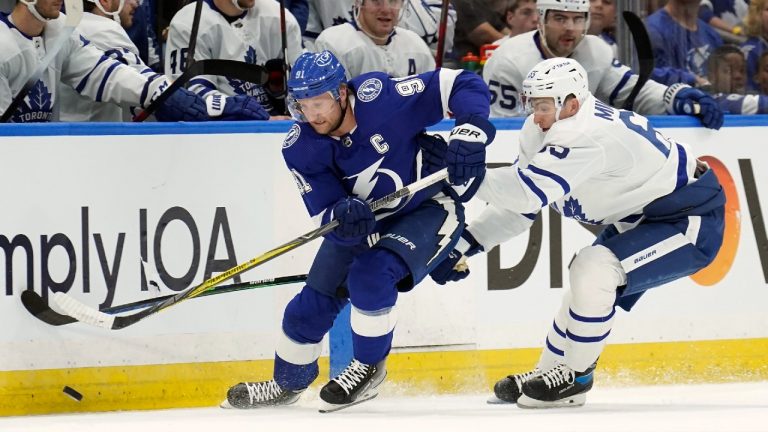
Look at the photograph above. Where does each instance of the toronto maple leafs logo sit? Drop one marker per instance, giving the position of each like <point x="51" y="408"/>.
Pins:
<point x="244" y="87"/>
<point x="572" y="209"/>
<point x="37" y="106"/>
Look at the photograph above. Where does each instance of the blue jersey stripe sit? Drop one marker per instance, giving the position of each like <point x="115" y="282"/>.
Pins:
<point x="81" y="85"/>
<point x="682" y="167"/>
<point x="104" y="81"/>
<point x="561" y="181"/>
<point x="553" y="349"/>
<point x="582" y="318"/>
<point x="557" y="329"/>
<point x="619" y="86"/>
<point x="587" y="339"/>
<point x="532" y="186"/>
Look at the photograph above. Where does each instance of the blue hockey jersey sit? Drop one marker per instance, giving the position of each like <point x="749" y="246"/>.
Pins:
<point x="381" y="154"/>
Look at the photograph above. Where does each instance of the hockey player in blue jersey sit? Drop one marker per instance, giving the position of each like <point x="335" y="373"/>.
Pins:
<point x="354" y="142"/>
<point x="663" y="212"/>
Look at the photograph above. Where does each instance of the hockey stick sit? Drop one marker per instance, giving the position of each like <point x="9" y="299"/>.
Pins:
<point x="71" y="20"/>
<point x="193" y="33"/>
<point x="644" y="54"/>
<point x="36" y="306"/>
<point x="441" y="33"/>
<point x="86" y="314"/>
<point x="228" y="68"/>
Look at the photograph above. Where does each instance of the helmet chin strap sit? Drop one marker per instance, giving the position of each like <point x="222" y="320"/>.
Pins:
<point x="237" y="5"/>
<point x="114" y="15"/>
<point x="32" y="6"/>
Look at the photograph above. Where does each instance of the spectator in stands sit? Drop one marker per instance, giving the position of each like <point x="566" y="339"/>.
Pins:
<point x="762" y="73"/>
<point x="373" y="42"/>
<point x="480" y="22"/>
<point x="300" y="10"/>
<point x="757" y="44"/>
<point x="726" y="16"/>
<point x="681" y="43"/>
<point x="728" y="77"/>
<point x="143" y="34"/>
<point x="603" y="22"/>
<point x="521" y="17"/>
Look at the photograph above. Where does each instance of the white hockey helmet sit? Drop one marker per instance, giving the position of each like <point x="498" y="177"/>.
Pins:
<point x="562" y="5"/>
<point x="557" y="78"/>
<point x="114" y="15"/>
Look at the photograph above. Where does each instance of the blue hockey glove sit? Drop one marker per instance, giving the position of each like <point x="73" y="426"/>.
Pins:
<point x="182" y="105"/>
<point x="465" y="157"/>
<point x="355" y="218"/>
<point x="449" y="270"/>
<point x="433" y="149"/>
<point x="240" y="107"/>
<point x="694" y="102"/>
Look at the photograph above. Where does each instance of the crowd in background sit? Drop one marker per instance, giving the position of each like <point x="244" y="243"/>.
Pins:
<point x="722" y="48"/>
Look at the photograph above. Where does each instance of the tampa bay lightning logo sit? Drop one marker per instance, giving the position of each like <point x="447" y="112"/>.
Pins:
<point x="366" y="180"/>
<point x="369" y="90"/>
<point x="292" y="136"/>
<point x="572" y="209"/>
<point x="38" y="106"/>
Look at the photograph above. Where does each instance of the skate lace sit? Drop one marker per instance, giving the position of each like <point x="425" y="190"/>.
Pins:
<point x="263" y="391"/>
<point x="558" y="375"/>
<point x="352" y="375"/>
<point x="522" y="378"/>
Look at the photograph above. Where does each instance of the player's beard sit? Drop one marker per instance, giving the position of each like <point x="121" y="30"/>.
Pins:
<point x="337" y="124"/>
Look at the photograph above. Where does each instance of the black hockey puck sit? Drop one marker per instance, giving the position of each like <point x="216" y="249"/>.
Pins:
<point x="74" y="394"/>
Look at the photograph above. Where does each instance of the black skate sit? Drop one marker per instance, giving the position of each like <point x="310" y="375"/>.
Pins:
<point x="509" y="389"/>
<point x="259" y="394"/>
<point x="561" y="386"/>
<point x="356" y="384"/>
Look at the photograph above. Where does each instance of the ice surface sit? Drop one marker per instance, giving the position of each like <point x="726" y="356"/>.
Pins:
<point x="712" y="407"/>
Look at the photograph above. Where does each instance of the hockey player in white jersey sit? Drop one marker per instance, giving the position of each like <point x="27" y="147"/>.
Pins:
<point x="241" y="30"/>
<point x="373" y="42"/>
<point x="33" y="28"/>
<point x="103" y="27"/>
<point x="420" y="16"/>
<point x="663" y="211"/>
<point x="562" y="33"/>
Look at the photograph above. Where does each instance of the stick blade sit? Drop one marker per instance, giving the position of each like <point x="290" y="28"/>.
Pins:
<point x="82" y="312"/>
<point x="35" y="305"/>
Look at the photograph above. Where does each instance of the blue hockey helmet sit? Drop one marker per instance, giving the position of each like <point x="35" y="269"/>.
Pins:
<point x="314" y="74"/>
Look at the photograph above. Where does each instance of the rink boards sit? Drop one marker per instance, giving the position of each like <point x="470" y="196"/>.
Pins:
<point x="83" y="204"/>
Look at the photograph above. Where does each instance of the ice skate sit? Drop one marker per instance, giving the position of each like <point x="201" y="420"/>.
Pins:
<point x="259" y="394"/>
<point x="509" y="389"/>
<point x="358" y="383"/>
<point x="561" y="386"/>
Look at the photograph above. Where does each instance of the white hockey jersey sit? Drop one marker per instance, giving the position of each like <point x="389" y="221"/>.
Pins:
<point x="253" y="38"/>
<point x="420" y="16"/>
<point x="601" y="166"/>
<point x="79" y="64"/>
<point x="108" y="36"/>
<point x="609" y="80"/>
<point x="404" y="53"/>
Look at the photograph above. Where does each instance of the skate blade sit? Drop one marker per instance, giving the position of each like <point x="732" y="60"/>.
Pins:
<point x="493" y="400"/>
<point x="569" y="402"/>
<point x="325" y="407"/>
<point x="226" y="405"/>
